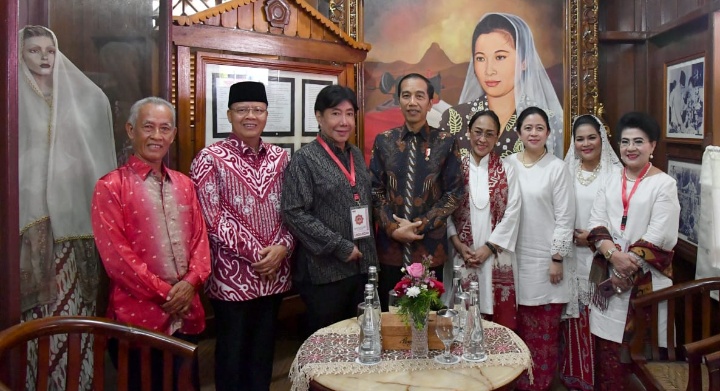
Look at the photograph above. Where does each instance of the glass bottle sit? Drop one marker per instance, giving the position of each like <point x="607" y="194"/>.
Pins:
<point x="459" y="301"/>
<point x="474" y="346"/>
<point x="373" y="279"/>
<point x="370" y="348"/>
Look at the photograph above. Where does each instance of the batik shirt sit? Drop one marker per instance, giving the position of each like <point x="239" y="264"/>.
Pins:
<point x="436" y="191"/>
<point x="150" y="234"/>
<point x="239" y="190"/>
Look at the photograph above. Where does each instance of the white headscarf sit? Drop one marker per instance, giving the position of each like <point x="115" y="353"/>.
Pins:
<point x="532" y="84"/>
<point x="608" y="158"/>
<point x="64" y="146"/>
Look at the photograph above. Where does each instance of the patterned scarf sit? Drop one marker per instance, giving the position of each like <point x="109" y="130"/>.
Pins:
<point x="503" y="280"/>
<point x="657" y="257"/>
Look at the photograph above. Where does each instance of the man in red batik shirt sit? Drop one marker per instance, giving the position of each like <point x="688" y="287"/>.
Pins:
<point x="239" y="182"/>
<point x="150" y="232"/>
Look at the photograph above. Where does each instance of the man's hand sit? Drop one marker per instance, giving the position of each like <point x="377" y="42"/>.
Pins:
<point x="406" y="231"/>
<point x="179" y="299"/>
<point x="268" y="266"/>
<point x="355" y="255"/>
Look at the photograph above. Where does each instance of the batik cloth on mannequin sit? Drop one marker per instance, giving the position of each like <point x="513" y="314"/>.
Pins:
<point x="65" y="144"/>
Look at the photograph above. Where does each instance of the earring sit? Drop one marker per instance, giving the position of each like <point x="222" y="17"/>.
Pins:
<point x="651" y="156"/>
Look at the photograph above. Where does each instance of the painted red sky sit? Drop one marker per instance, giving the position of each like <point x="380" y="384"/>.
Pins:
<point x="404" y="29"/>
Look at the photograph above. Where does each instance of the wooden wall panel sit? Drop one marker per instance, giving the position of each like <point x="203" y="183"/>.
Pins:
<point x="245" y="18"/>
<point x="260" y="24"/>
<point x="713" y="76"/>
<point x="617" y="15"/>
<point x="229" y="19"/>
<point x="292" y="26"/>
<point x="303" y="29"/>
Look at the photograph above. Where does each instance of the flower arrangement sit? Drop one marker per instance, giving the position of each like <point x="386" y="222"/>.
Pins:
<point x="418" y="291"/>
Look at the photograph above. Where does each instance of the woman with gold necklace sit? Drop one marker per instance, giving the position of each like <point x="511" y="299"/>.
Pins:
<point x="544" y="246"/>
<point x="591" y="160"/>
<point x="634" y="227"/>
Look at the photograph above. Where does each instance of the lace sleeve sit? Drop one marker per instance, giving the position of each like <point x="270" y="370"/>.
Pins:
<point x="562" y="242"/>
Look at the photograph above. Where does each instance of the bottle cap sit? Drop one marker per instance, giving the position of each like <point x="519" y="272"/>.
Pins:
<point x="369" y="287"/>
<point x="456" y="267"/>
<point x="474" y="284"/>
<point x="372" y="269"/>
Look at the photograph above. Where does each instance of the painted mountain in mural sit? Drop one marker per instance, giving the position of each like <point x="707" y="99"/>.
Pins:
<point x="381" y="78"/>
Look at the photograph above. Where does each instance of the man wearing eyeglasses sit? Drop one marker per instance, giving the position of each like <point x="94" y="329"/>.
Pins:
<point x="238" y="182"/>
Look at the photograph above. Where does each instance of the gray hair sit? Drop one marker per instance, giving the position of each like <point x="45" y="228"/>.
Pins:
<point x="135" y="109"/>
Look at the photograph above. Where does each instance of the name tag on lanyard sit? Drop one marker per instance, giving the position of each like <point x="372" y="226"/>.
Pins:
<point x="360" y="218"/>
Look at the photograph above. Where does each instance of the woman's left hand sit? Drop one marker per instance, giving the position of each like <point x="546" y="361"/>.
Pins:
<point x="556" y="272"/>
<point x="580" y="237"/>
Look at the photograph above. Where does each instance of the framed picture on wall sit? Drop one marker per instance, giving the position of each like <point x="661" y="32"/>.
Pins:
<point x="687" y="175"/>
<point x="685" y="98"/>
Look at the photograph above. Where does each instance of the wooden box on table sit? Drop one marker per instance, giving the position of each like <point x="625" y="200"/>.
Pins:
<point x="397" y="336"/>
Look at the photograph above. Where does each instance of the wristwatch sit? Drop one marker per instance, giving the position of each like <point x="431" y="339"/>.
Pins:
<point x="608" y="254"/>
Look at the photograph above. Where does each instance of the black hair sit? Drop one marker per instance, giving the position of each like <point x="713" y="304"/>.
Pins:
<point x="36" y="31"/>
<point x="529" y="111"/>
<point x="430" y="88"/>
<point x="585" y="119"/>
<point x="489" y="24"/>
<point x="682" y="78"/>
<point x="639" y="120"/>
<point x="333" y="95"/>
<point x="481" y="113"/>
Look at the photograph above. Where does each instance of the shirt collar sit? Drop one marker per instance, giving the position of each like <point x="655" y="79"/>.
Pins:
<point x="332" y="145"/>
<point x="246" y="149"/>
<point x="143" y="169"/>
<point x="424" y="132"/>
<point x="483" y="161"/>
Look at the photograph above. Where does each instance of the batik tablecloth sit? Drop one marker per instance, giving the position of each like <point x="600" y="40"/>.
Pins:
<point x="331" y="351"/>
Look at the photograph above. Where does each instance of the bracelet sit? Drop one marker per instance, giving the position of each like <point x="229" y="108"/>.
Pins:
<point x="617" y="273"/>
<point x="492" y="248"/>
<point x="557" y="260"/>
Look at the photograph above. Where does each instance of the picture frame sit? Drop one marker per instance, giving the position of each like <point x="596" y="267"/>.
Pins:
<point x="686" y="173"/>
<point x="565" y="35"/>
<point x="684" y="85"/>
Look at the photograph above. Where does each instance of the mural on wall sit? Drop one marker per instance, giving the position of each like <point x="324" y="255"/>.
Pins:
<point x="512" y="70"/>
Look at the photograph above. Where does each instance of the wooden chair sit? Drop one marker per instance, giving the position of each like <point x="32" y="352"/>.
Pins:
<point x="14" y="341"/>
<point x="656" y="368"/>
<point x="712" y="361"/>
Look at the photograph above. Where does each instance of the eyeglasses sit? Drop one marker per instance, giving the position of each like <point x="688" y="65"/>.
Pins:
<point x="486" y="135"/>
<point x="243" y="111"/>
<point x="637" y="143"/>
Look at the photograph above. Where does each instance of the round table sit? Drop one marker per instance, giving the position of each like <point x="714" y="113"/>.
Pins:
<point x="326" y="361"/>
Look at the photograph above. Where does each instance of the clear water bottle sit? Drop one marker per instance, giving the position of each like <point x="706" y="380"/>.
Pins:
<point x="370" y="349"/>
<point x="373" y="279"/>
<point x="459" y="302"/>
<point x="474" y="344"/>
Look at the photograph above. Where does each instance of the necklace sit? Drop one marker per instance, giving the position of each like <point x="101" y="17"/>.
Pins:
<point x="528" y="165"/>
<point x="586" y="181"/>
<point x="643" y="175"/>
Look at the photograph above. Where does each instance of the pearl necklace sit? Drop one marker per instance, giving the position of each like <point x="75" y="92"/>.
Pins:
<point x="641" y="178"/>
<point x="528" y="165"/>
<point x="472" y="199"/>
<point x="586" y="181"/>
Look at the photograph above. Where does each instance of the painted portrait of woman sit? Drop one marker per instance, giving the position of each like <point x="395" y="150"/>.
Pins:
<point x="506" y="75"/>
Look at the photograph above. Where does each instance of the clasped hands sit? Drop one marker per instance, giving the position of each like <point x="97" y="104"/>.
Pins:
<point x="407" y="231"/>
<point x="625" y="265"/>
<point x="272" y="257"/>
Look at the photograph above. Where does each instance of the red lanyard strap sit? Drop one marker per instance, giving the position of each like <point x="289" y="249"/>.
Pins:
<point x="349" y="175"/>
<point x="626" y="198"/>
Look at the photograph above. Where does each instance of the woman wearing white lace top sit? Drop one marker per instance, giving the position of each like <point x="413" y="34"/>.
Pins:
<point x="544" y="246"/>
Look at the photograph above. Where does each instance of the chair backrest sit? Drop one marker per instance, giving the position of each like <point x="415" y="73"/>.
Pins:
<point x="698" y="309"/>
<point x="16" y="338"/>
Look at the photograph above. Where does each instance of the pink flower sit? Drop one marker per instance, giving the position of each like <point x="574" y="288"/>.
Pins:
<point x="416" y="270"/>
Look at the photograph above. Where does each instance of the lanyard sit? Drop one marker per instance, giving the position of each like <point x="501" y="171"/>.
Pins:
<point x="626" y="198"/>
<point x="349" y="175"/>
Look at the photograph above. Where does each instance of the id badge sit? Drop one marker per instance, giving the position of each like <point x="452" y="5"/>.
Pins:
<point x="360" y="218"/>
<point x="621" y="241"/>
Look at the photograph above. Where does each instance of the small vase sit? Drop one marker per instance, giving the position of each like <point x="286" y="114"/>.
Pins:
<point x="419" y="345"/>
